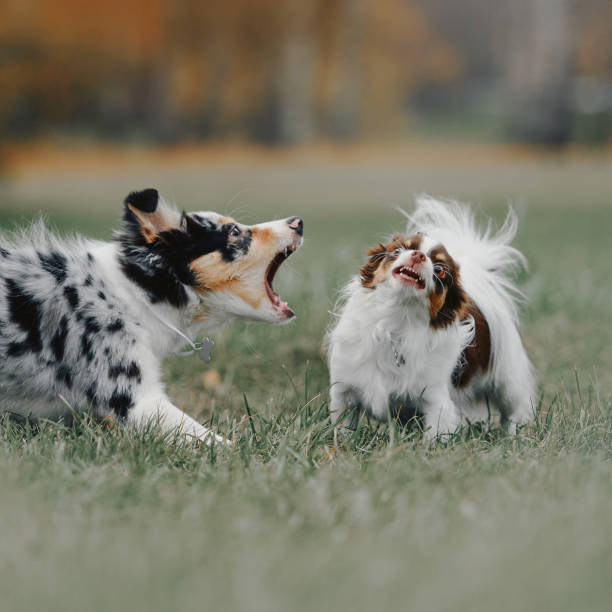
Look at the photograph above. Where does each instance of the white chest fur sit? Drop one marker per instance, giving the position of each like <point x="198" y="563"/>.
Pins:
<point x="381" y="348"/>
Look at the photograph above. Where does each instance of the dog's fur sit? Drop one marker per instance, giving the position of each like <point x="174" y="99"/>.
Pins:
<point x="85" y="325"/>
<point x="430" y="326"/>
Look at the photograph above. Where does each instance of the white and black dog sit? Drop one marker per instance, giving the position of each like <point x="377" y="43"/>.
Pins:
<point x="86" y="324"/>
<point x="430" y="325"/>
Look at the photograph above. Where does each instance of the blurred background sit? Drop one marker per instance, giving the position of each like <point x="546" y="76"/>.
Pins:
<point x="280" y="72"/>
<point x="337" y="111"/>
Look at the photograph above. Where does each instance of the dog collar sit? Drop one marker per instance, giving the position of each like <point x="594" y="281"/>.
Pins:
<point x="399" y="358"/>
<point x="202" y="349"/>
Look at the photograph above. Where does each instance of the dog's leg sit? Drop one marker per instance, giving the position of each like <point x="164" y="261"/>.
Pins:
<point x="516" y="395"/>
<point x="440" y="414"/>
<point x="516" y="407"/>
<point x="344" y="406"/>
<point x="157" y="408"/>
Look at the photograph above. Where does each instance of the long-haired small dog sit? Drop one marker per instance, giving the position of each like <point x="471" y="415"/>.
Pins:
<point x="430" y="326"/>
<point x="86" y="324"/>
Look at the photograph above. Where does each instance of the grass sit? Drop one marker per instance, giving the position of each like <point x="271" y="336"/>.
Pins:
<point x="98" y="518"/>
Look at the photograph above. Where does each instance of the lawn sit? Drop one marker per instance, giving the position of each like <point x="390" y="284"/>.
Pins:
<point x="95" y="519"/>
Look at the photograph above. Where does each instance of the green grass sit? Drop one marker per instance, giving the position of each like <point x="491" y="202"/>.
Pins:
<point x="97" y="519"/>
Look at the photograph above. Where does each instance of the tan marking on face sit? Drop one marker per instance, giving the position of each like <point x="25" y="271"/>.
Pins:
<point x="436" y="301"/>
<point x="264" y="236"/>
<point x="381" y="258"/>
<point x="212" y="273"/>
<point x="447" y="300"/>
<point x="226" y="221"/>
<point x="152" y="224"/>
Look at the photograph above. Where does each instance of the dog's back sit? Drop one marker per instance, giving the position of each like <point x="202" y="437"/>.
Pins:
<point x="59" y="319"/>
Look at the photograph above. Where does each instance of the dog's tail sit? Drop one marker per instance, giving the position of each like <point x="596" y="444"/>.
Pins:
<point x="488" y="261"/>
<point x="488" y="264"/>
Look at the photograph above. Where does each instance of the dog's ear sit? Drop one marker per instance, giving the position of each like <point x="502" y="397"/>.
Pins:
<point x="152" y="215"/>
<point x="380" y="248"/>
<point x="368" y="270"/>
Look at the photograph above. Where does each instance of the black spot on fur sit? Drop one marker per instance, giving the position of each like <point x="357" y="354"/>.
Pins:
<point x="90" y="257"/>
<point x="201" y="237"/>
<point x="91" y="393"/>
<point x="115" y="326"/>
<point x="160" y="285"/>
<point x="55" y="264"/>
<point x="129" y="370"/>
<point x="16" y="349"/>
<point x="72" y="295"/>
<point x="4" y="253"/>
<point x="101" y="295"/>
<point x="26" y="312"/>
<point x="88" y="282"/>
<point x="87" y="346"/>
<point x="58" y="342"/>
<point x="120" y="402"/>
<point x="107" y="351"/>
<point x="64" y="375"/>
<point x="92" y="326"/>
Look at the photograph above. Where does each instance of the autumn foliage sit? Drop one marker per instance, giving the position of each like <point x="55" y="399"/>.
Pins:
<point x="286" y="70"/>
<point x="270" y="69"/>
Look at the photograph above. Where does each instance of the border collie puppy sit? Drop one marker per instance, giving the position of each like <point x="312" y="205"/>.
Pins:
<point x="86" y="324"/>
<point x="430" y="326"/>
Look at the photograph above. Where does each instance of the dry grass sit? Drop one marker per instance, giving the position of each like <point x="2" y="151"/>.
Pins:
<point x="98" y="519"/>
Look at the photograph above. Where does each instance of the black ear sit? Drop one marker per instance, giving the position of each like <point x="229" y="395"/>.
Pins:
<point x="145" y="201"/>
<point x="147" y="213"/>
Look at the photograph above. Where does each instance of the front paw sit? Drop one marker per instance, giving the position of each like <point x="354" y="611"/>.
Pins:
<point x="218" y="439"/>
<point x="209" y="438"/>
<point x="441" y="425"/>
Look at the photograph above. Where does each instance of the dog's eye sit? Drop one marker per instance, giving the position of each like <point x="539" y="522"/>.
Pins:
<point x="234" y="231"/>
<point x="439" y="271"/>
<point x="397" y="252"/>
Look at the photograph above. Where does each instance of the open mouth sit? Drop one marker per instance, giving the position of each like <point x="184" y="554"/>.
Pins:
<point x="278" y="304"/>
<point x="409" y="276"/>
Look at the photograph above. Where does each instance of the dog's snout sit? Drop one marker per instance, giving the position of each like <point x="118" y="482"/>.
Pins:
<point x="296" y="224"/>
<point x="417" y="257"/>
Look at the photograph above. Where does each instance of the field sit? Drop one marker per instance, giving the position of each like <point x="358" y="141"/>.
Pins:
<point x="99" y="519"/>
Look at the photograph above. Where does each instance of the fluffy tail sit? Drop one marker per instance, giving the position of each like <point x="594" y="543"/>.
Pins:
<point x="487" y="266"/>
<point x="454" y="224"/>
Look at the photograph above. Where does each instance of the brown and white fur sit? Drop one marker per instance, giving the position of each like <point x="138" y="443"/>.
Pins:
<point x="431" y="325"/>
<point x="86" y="324"/>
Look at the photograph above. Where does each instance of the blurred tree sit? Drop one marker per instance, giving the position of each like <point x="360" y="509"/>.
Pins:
<point x="273" y="70"/>
<point x="65" y="61"/>
<point x="347" y="69"/>
<point x="540" y="65"/>
<point x="593" y="90"/>
<point x="295" y="77"/>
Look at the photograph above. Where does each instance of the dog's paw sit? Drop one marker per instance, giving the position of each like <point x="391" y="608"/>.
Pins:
<point x="211" y="438"/>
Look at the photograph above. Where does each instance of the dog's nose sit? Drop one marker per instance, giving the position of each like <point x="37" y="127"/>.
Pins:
<point x="296" y="224"/>
<point x="417" y="257"/>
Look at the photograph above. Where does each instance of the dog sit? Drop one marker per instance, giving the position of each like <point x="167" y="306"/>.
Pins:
<point x="430" y="327"/>
<point x="86" y="324"/>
